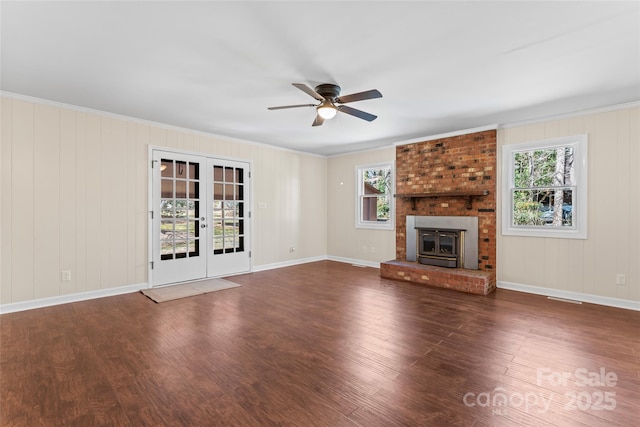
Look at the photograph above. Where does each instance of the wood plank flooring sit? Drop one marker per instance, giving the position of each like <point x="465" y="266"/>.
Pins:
<point x="321" y="344"/>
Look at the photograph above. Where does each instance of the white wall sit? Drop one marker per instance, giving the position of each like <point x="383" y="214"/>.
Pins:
<point x="585" y="267"/>
<point x="344" y="240"/>
<point x="74" y="197"/>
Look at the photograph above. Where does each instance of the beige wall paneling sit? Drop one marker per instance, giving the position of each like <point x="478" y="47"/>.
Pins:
<point x="79" y="274"/>
<point x="552" y="258"/>
<point x="94" y="225"/>
<point x="511" y="262"/>
<point x="89" y="173"/>
<point x="589" y="264"/>
<point x="534" y="261"/>
<point x="129" y="201"/>
<point x="311" y="235"/>
<point x="107" y="159"/>
<point x="119" y="209"/>
<point x="633" y="278"/>
<point x="74" y="197"/>
<point x="285" y="168"/>
<point x="6" y="142"/>
<point x="291" y="170"/>
<point x="344" y="239"/>
<point x="68" y="195"/>
<point x="605" y="194"/>
<point x="574" y="270"/>
<point x="341" y="207"/>
<point x="622" y="203"/>
<point x="613" y="244"/>
<point x="265" y="180"/>
<point x="46" y="203"/>
<point x="142" y="137"/>
<point x="174" y="140"/>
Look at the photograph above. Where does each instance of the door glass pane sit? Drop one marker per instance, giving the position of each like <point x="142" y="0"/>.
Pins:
<point x="217" y="173"/>
<point x="179" y="209"/>
<point x="228" y="192"/>
<point x="228" y="175"/>
<point x="228" y="209"/>
<point x="181" y="169"/>
<point x="166" y="168"/>
<point x="166" y="188"/>
<point x="194" y="188"/>
<point x="193" y="248"/>
<point x="166" y="250"/>
<point x="181" y="189"/>
<point x="194" y="171"/>
<point x="180" y="248"/>
<point x="217" y="191"/>
<point x="191" y="230"/>
<point x="217" y="245"/>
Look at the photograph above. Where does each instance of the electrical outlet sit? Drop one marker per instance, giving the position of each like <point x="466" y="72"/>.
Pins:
<point x="621" y="279"/>
<point x="372" y="249"/>
<point x="66" y="275"/>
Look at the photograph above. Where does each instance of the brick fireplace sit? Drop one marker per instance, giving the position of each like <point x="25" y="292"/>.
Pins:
<point x="447" y="177"/>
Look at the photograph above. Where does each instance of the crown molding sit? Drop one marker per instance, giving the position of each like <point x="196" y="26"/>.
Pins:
<point x="79" y="109"/>
<point x="599" y="110"/>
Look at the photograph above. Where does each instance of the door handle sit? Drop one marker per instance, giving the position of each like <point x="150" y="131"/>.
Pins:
<point x="203" y="225"/>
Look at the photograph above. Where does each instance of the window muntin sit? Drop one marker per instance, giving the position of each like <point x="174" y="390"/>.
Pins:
<point x="375" y="196"/>
<point x="545" y="188"/>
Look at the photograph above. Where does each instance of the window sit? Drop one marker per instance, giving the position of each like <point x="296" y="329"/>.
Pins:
<point x="545" y="188"/>
<point x="375" y="196"/>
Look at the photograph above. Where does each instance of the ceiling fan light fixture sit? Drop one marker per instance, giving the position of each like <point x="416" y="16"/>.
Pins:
<point x="331" y="102"/>
<point x="326" y="110"/>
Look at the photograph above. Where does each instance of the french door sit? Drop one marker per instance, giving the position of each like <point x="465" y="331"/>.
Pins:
<point x="200" y="217"/>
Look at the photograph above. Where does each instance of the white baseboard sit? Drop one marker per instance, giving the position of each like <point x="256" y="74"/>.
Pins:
<point x="577" y="296"/>
<point x="64" y="299"/>
<point x="101" y="293"/>
<point x="275" y="265"/>
<point x="356" y="262"/>
<point x="353" y="261"/>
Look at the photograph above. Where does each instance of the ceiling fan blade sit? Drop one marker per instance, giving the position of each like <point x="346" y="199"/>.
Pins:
<point x="318" y="121"/>
<point x="357" y="113"/>
<point x="291" y="106"/>
<point x="306" y="89"/>
<point x="360" y="96"/>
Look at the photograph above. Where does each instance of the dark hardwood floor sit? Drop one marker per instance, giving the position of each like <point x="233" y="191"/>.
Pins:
<point x="321" y="344"/>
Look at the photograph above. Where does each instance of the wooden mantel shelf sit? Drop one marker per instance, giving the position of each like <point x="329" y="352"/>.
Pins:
<point x="467" y="195"/>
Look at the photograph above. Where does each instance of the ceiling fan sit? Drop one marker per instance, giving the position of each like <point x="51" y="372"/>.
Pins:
<point x="331" y="102"/>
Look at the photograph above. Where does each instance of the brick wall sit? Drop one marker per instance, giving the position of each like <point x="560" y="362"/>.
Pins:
<point x="465" y="162"/>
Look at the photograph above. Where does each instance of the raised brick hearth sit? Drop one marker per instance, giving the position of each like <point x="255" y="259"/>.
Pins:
<point x="457" y="164"/>
<point x="470" y="281"/>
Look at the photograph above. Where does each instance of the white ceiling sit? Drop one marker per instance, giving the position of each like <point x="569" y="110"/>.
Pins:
<point x="216" y="66"/>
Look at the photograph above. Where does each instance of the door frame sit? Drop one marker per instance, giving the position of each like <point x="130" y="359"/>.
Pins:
<point x="150" y="149"/>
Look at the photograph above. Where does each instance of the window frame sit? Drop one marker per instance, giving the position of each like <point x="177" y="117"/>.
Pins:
<point x="579" y="207"/>
<point x="360" y="195"/>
